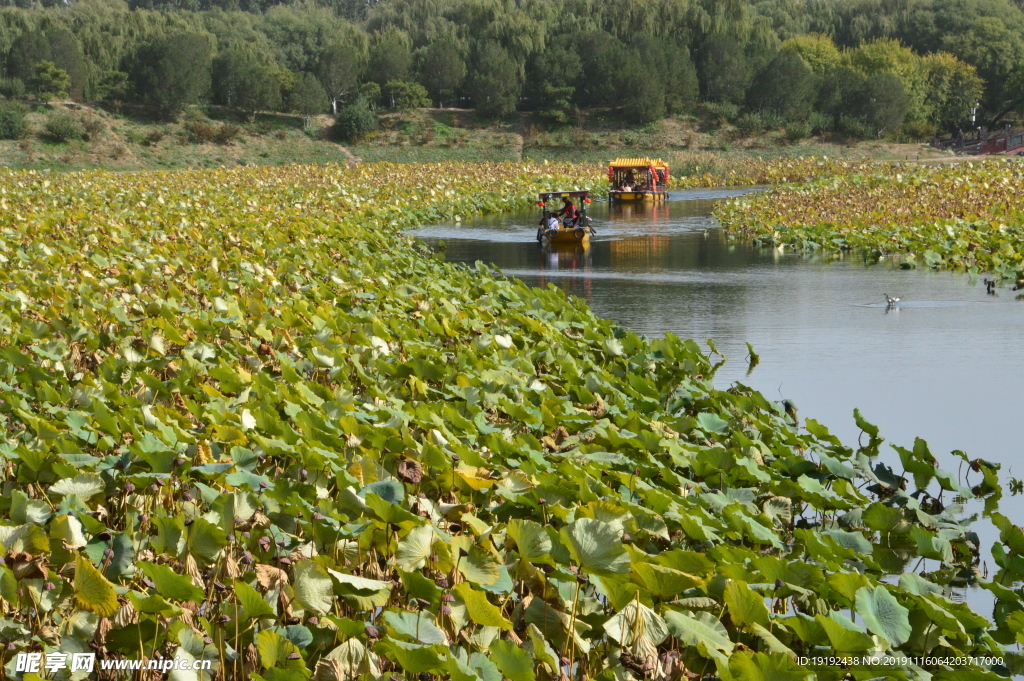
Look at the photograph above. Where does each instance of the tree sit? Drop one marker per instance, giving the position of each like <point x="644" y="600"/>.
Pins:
<point x="390" y="56"/>
<point x="442" y="70"/>
<point x="338" y="71"/>
<point x="552" y="76"/>
<point x="68" y="56"/>
<point x="369" y="94"/>
<point x="174" y="71"/>
<point x="404" y="95"/>
<point x="494" y="83"/>
<point x="839" y="91"/>
<point x="892" y="57"/>
<point x="645" y="97"/>
<point x="725" y="71"/>
<point x="49" y="82"/>
<point x="308" y="98"/>
<point x="817" y="50"/>
<point x="682" y="88"/>
<point x="785" y="86"/>
<point x="260" y="91"/>
<point x="606" y="69"/>
<point x="30" y="48"/>
<point x="883" y="104"/>
<point x="230" y="70"/>
<point x="953" y="88"/>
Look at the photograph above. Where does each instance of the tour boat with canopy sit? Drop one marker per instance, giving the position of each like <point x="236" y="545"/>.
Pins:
<point x="638" y="179"/>
<point x="566" y="222"/>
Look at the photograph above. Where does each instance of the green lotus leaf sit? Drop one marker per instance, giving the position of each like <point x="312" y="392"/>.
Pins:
<point x="766" y="667"/>
<point x="313" y="586"/>
<point x="746" y="606"/>
<point x="700" y="628"/>
<point x="417" y="626"/>
<point x="250" y="599"/>
<point x="170" y="584"/>
<point x="596" y="547"/>
<point x="514" y="662"/>
<point x="84" y="486"/>
<point x="480" y="610"/>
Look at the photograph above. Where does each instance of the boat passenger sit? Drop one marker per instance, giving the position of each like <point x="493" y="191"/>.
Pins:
<point x="568" y="209"/>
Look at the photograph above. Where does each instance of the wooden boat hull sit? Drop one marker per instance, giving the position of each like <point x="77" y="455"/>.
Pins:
<point x="566" y="236"/>
<point x="637" y="196"/>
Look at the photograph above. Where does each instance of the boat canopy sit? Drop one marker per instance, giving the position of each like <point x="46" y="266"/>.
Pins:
<point x="624" y="163"/>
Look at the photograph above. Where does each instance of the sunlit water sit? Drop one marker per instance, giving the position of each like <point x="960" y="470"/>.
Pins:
<point x="945" y="365"/>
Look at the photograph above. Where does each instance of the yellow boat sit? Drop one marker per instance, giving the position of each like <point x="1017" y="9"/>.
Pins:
<point x="638" y="179"/>
<point x="574" y="225"/>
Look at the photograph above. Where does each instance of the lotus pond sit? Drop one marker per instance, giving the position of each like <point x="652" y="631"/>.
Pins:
<point x="246" y="420"/>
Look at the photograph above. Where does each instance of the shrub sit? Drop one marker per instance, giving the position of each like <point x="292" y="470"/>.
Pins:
<point x="772" y="120"/>
<point x="819" y="122"/>
<point x="721" y="111"/>
<point x="354" y="121"/>
<point x="199" y="132"/>
<point x="12" y="87"/>
<point x="153" y="137"/>
<point x="798" y="130"/>
<point x="918" y="131"/>
<point x="93" y="127"/>
<point x="62" y="126"/>
<point x="750" y="123"/>
<point x="12" y="120"/>
<point x="855" y="127"/>
<point x="226" y="133"/>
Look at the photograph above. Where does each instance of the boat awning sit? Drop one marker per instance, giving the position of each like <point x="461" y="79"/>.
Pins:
<point x="638" y="163"/>
<point x="582" y="193"/>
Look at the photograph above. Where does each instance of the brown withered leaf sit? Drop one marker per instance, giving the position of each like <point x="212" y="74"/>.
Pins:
<point x="26" y="566"/>
<point x="409" y="471"/>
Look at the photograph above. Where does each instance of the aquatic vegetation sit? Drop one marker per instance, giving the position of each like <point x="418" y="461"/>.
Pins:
<point x="246" y="420"/>
<point x="959" y="216"/>
<point x="746" y="172"/>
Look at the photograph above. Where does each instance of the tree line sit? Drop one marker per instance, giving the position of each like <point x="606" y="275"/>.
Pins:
<point x="866" y="67"/>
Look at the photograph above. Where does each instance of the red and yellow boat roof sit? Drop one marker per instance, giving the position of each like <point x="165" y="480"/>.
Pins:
<point x="637" y="163"/>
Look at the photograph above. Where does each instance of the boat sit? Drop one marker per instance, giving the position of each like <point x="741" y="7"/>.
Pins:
<point x="638" y="179"/>
<point x="560" y="230"/>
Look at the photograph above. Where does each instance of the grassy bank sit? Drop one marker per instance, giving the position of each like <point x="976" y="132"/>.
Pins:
<point x="246" y="420"/>
<point x="131" y="139"/>
<point x="958" y="216"/>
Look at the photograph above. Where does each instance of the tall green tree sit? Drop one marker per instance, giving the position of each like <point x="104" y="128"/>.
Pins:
<point x="442" y="69"/>
<point x="338" y="70"/>
<point x="607" y="67"/>
<point x="231" y="69"/>
<point x="68" y="56"/>
<point x="725" y="70"/>
<point x="494" y="82"/>
<point x="174" y="71"/>
<point x="308" y="99"/>
<point x="883" y="103"/>
<point x="30" y="48"/>
<point x="390" y="56"/>
<point x="786" y="86"/>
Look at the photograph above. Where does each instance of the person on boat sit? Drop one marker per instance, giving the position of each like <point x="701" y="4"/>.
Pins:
<point x="630" y="180"/>
<point x="546" y="224"/>
<point x="568" y="210"/>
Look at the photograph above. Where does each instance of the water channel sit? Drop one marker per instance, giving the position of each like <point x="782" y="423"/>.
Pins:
<point x="944" y="365"/>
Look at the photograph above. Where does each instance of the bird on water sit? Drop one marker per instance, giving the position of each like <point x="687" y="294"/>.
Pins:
<point x="890" y="302"/>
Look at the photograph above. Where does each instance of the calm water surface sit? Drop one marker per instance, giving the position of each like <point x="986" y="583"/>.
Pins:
<point x="946" y="365"/>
